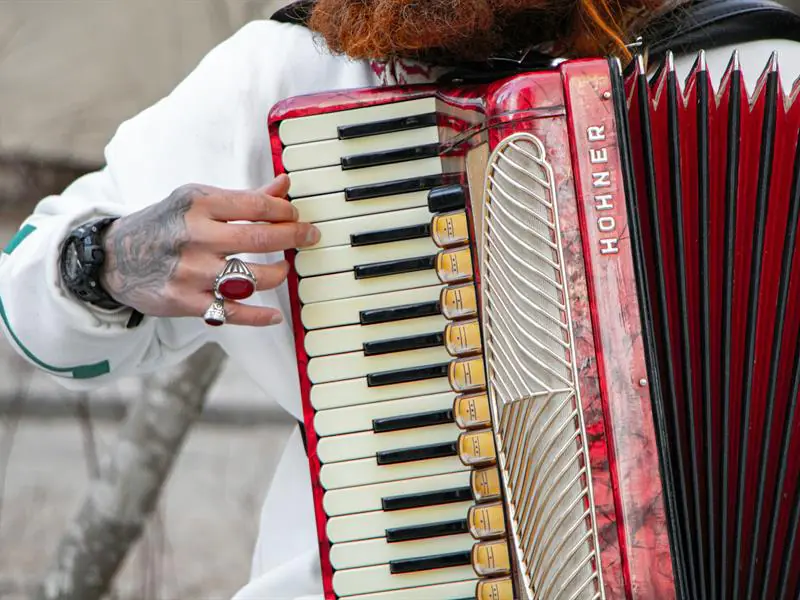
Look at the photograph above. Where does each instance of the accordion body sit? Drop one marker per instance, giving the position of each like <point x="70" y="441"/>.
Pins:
<point x="548" y="342"/>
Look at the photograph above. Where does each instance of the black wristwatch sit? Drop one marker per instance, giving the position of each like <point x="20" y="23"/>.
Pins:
<point x="82" y="258"/>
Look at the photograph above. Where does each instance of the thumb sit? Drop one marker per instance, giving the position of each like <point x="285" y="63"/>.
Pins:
<point x="278" y="187"/>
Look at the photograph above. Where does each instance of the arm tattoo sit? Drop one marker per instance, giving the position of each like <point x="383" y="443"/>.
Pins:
<point x="144" y="248"/>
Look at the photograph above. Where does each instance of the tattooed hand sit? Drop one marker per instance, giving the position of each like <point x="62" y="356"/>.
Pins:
<point x="163" y="260"/>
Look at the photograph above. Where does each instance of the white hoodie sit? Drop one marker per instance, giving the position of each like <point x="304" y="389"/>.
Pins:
<point x="212" y="130"/>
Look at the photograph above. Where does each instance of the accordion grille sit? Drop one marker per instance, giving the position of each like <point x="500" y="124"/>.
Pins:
<point x="539" y="427"/>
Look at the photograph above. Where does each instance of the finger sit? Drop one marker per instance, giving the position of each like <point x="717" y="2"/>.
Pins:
<point x="237" y="313"/>
<point x="278" y="187"/>
<point x="225" y="239"/>
<point x="227" y="205"/>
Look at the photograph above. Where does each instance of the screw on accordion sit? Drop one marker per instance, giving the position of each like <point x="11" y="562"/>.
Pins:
<point x="548" y="343"/>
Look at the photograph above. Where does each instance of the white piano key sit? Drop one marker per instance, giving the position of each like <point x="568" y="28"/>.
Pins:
<point x="330" y="152"/>
<point x="446" y="591"/>
<point x="351" y="338"/>
<point x="335" y="313"/>
<point x="338" y="232"/>
<point x="345" y="285"/>
<point x="364" y="526"/>
<point x="366" y="471"/>
<point x="359" y="418"/>
<point x="353" y="446"/>
<point x="328" y="180"/>
<point x="366" y="553"/>
<point x="328" y="207"/>
<point x="338" y="367"/>
<point x="352" y="392"/>
<point x="366" y="580"/>
<point x="309" y="263"/>
<point x="325" y="126"/>
<point x="367" y="498"/>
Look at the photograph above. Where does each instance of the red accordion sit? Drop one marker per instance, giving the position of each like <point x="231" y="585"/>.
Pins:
<point x="548" y="342"/>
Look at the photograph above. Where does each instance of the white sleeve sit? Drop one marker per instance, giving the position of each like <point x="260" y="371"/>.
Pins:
<point x="212" y="130"/>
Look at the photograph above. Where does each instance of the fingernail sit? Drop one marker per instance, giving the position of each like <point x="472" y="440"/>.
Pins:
<point x="313" y="235"/>
<point x="277" y="319"/>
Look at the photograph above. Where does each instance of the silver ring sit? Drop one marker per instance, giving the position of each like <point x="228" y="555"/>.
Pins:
<point x="215" y="314"/>
<point x="236" y="281"/>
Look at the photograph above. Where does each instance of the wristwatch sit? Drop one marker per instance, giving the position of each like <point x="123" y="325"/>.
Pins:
<point x="82" y="258"/>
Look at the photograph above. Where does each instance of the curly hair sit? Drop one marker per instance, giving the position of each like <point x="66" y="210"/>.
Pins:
<point x="473" y="30"/>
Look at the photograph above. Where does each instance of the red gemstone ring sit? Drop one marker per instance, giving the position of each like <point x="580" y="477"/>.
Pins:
<point x="236" y="282"/>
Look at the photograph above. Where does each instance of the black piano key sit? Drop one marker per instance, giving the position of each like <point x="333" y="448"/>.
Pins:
<point x="412" y="342"/>
<point x="426" y="419"/>
<point x="447" y="199"/>
<point x="349" y="132"/>
<point x="392" y="188"/>
<point x="384" y="236"/>
<point x="422" y="532"/>
<point x="415" y="453"/>
<point x="423" y="499"/>
<point x="428" y="563"/>
<point x="388" y="157"/>
<point x="407" y="375"/>
<point x="395" y="267"/>
<point x="376" y="316"/>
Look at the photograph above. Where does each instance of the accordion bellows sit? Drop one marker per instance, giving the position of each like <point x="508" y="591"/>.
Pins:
<point x="549" y="342"/>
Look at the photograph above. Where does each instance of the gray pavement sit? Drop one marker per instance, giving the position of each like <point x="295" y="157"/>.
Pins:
<point x="198" y="548"/>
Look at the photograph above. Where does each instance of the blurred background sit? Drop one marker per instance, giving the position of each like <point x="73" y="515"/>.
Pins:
<point x="70" y="72"/>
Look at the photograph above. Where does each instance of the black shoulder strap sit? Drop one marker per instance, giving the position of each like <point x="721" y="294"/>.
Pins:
<point x="296" y="13"/>
<point x="708" y="24"/>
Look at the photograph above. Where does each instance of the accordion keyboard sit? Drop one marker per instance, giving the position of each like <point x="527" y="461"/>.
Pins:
<point x="407" y="459"/>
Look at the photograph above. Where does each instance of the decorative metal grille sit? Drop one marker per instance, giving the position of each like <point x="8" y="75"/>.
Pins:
<point x="532" y="378"/>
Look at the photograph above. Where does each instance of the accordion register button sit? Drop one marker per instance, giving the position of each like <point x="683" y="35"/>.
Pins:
<point x="454" y="266"/>
<point x="490" y="559"/>
<point x="485" y="485"/>
<point x="476" y="448"/>
<point x="467" y="375"/>
<point x="487" y="521"/>
<point x="472" y="412"/>
<point x="463" y="338"/>
<point x="450" y="230"/>
<point x="446" y="198"/>
<point x="459" y="302"/>
<point x="501" y="588"/>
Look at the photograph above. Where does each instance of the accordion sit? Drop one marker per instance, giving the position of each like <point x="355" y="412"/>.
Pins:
<point x="548" y="341"/>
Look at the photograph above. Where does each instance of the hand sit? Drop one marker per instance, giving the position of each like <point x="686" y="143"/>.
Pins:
<point x="163" y="260"/>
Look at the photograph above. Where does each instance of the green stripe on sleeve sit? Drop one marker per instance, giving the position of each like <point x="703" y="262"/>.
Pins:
<point x="79" y="372"/>
<point x="18" y="238"/>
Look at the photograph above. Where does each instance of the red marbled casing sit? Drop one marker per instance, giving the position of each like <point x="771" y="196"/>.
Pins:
<point x="571" y="111"/>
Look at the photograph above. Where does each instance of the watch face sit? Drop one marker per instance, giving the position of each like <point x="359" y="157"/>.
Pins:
<point x="72" y="265"/>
